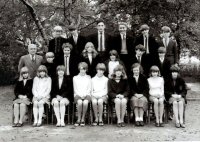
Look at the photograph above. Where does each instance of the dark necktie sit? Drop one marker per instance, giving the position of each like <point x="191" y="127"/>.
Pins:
<point x="33" y="60"/>
<point x="139" y="59"/>
<point x="101" y="42"/>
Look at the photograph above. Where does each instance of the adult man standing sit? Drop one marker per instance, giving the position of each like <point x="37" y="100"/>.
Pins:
<point x="101" y="40"/>
<point x="55" y="44"/>
<point x="78" y="41"/>
<point x="32" y="61"/>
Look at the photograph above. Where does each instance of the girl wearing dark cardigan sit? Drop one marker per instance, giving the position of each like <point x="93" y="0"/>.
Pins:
<point x="175" y="93"/>
<point x="61" y="89"/>
<point x="118" y="91"/>
<point x="139" y="92"/>
<point x="23" y="93"/>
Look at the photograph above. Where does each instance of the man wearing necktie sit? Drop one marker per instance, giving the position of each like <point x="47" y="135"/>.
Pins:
<point x="77" y="40"/>
<point x="101" y="40"/>
<point x="149" y="43"/>
<point x="123" y="43"/>
<point x="170" y="45"/>
<point x="32" y="61"/>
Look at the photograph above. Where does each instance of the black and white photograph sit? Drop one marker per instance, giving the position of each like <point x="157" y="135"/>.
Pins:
<point x="99" y="70"/>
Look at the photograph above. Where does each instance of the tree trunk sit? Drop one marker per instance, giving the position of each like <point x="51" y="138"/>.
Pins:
<point x="37" y="22"/>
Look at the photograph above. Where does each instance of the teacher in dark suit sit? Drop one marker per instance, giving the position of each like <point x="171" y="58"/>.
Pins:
<point x="55" y="44"/>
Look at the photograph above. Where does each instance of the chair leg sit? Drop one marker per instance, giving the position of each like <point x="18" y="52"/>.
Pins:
<point x="68" y="115"/>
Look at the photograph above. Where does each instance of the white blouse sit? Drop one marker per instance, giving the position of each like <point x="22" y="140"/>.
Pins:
<point x="41" y="87"/>
<point x="99" y="86"/>
<point x="82" y="85"/>
<point x="111" y="66"/>
<point x="156" y="86"/>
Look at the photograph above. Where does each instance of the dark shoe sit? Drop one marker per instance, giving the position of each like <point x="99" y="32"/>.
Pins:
<point x="161" y="124"/>
<point x="182" y="125"/>
<point x="137" y="123"/>
<point x="77" y="123"/>
<point x="141" y="123"/>
<point x="39" y="124"/>
<point x="19" y="124"/>
<point x="118" y="124"/>
<point x="82" y="124"/>
<point x="94" y="123"/>
<point x="15" y="125"/>
<point x="157" y="124"/>
<point x="122" y="124"/>
<point x="177" y="125"/>
<point x="101" y="123"/>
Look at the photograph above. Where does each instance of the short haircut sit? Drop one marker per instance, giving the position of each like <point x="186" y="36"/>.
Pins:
<point x="67" y="45"/>
<point x="144" y="27"/>
<point x="42" y="68"/>
<point x="161" y="49"/>
<point x="140" y="47"/>
<point x="136" y="65"/>
<point x="115" y="53"/>
<point x="174" y="68"/>
<point x="101" y="66"/>
<point x="83" y="65"/>
<point x="22" y="71"/>
<point x="60" y="68"/>
<point x="32" y="45"/>
<point x="166" y="29"/>
<point x="119" y="68"/>
<point x="57" y="28"/>
<point x="154" y="69"/>
<point x="49" y="54"/>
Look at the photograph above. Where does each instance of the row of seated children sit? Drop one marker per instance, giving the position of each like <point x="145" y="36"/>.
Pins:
<point x="118" y="89"/>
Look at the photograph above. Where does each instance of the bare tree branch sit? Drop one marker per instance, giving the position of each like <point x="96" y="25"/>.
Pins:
<point x="36" y="20"/>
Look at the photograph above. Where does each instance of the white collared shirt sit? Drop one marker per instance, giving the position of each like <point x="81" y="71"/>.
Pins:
<point x="136" y="78"/>
<point x="66" y="57"/>
<point x="164" y="42"/>
<point x="60" y="80"/>
<point x="32" y="57"/>
<point x="123" y="35"/>
<point x="161" y="59"/>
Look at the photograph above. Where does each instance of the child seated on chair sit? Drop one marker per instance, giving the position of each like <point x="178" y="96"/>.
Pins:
<point x="23" y="93"/>
<point x="99" y="93"/>
<point x="82" y="92"/>
<point x="50" y="64"/>
<point x="41" y="94"/>
<point x="175" y="91"/>
<point x="156" y="92"/>
<point x="60" y="92"/>
<point x="118" y="91"/>
<point x="139" y="91"/>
